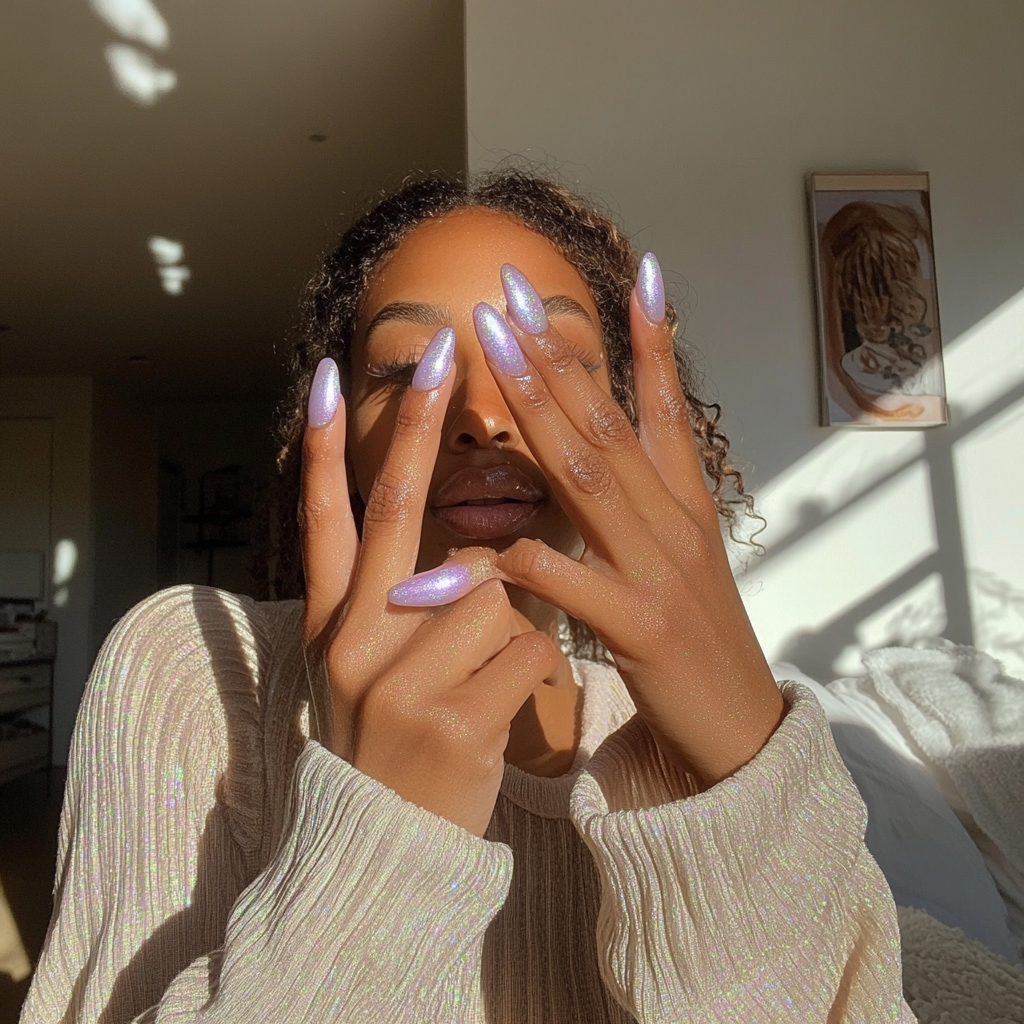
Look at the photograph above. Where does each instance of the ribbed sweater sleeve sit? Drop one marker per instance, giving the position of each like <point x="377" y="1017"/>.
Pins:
<point x="372" y="910"/>
<point x="369" y="909"/>
<point x="756" y="900"/>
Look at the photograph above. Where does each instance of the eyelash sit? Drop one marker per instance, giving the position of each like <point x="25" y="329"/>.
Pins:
<point x="397" y="373"/>
<point x="391" y="372"/>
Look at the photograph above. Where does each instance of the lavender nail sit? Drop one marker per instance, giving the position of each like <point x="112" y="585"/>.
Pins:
<point x="438" y="586"/>
<point x="436" y="361"/>
<point x="650" y="288"/>
<point x="498" y="341"/>
<point x="524" y="304"/>
<point x="324" y="393"/>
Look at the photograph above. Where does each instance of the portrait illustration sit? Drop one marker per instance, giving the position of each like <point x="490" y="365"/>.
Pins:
<point x="878" y="319"/>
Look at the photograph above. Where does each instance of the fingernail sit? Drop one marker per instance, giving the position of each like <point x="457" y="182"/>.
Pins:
<point x="436" y="361"/>
<point x="650" y="288"/>
<point x="438" y="586"/>
<point x="498" y="341"/>
<point x="524" y="305"/>
<point x="324" y="394"/>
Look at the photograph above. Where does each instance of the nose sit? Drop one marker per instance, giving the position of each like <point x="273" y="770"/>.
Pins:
<point x="477" y="415"/>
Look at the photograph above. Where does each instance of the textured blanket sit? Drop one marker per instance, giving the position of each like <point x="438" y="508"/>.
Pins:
<point x="951" y="979"/>
<point x="965" y="716"/>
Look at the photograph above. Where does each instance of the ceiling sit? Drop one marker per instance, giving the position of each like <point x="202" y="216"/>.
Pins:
<point x="221" y="163"/>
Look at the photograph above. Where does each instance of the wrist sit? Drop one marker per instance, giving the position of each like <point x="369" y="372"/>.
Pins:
<point x="713" y="738"/>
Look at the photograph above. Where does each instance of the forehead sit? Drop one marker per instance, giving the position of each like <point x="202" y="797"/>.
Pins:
<point x="456" y="259"/>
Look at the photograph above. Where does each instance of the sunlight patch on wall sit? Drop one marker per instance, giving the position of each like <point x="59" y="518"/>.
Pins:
<point x="987" y="360"/>
<point x="990" y="494"/>
<point x="134" y="19"/>
<point x="135" y="72"/>
<point x="915" y="615"/>
<point x="137" y="75"/>
<point x="168" y="255"/>
<point x="830" y="476"/>
<point x="65" y="562"/>
<point x="845" y="560"/>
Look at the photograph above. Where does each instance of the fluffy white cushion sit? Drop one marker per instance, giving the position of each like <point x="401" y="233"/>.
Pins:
<point x="926" y="855"/>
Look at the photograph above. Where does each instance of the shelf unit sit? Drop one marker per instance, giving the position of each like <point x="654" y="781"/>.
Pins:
<point x="25" y="685"/>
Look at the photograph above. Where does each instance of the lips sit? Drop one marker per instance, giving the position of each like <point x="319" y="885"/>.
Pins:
<point x="486" y="502"/>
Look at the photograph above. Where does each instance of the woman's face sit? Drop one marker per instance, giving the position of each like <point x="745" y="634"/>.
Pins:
<point x="487" y="488"/>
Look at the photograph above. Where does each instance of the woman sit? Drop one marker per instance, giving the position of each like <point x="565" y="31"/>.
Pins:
<point x="483" y="828"/>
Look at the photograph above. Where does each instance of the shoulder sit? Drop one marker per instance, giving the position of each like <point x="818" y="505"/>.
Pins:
<point x="188" y="658"/>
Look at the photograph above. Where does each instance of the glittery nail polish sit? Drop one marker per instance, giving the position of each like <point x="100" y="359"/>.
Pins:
<point x="498" y="341"/>
<point x="438" y="586"/>
<point x="524" y="304"/>
<point x="324" y="393"/>
<point x="650" y="288"/>
<point x="436" y="361"/>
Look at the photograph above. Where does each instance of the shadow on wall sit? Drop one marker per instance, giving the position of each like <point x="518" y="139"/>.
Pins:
<point x="880" y="538"/>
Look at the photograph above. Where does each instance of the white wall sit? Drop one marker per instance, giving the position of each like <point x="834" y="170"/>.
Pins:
<point x="696" y="122"/>
<point x="67" y="403"/>
<point x="124" y="492"/>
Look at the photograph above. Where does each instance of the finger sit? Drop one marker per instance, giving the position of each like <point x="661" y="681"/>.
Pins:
<point x="494" y="694"/>
<point x="329" y="539"/>
<point x="663" y="413"/>
<point x="579" y="458"/>
<point x="482" y="623"/>
<point x="394" y="508"/>
<point x="578" y="589"/>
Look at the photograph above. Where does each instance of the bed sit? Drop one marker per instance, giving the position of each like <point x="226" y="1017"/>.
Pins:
<point x="933" y="737"/>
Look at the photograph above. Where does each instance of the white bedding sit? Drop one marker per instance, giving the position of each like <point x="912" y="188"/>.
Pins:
<point x="928" y="853"/>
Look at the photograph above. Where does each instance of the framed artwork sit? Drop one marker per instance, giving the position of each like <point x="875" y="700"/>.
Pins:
<point x="878" y="317"/>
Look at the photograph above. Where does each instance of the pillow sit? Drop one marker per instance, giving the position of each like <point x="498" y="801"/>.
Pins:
<point x="926" y="855"/>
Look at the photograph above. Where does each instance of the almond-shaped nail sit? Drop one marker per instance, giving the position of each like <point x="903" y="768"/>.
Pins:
<point x="650" y="288"/>
<point x="324" y="394"/>
<point x="498" y="341"/>
<point x="524" y="304"/>
<point x="438" y="586"/>
<point x="436" y="361"/>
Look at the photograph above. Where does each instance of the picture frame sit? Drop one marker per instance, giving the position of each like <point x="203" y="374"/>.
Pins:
<point x="879" y="338"/>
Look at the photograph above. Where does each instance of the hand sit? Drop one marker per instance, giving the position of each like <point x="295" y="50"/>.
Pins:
<point x="654" y="581"/>
<point x="419" y="700"/>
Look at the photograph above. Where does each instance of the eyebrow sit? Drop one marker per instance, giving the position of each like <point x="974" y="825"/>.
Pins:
<point x="438" y="316"/>
<point x="562" y="305"/>
<point x="410" y="313"/>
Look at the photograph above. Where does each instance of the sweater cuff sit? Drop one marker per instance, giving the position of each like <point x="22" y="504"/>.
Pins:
<point x="751" y="874"/>
<point x="368" y="896"/>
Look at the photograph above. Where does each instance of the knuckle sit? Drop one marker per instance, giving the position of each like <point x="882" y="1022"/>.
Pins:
<point x="389" y="498"/>
<point x="409" y="417"/>
<point x="589" y="474"/>
<point x="558" y="355"/>
<point x="672" y="406"/>
<point x="606" y="427"/>
<point x="533" y="393"/>
<point x="695" y="540"/>
<point x="537" y="650"/>
<point x="314" y="511"/>
<point x="525" y="558"/>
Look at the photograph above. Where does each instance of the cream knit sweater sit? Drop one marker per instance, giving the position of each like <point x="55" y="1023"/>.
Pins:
<point x="217" y="865"/>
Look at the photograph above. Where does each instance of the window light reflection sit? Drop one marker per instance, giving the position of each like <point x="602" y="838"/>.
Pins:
<point x="134" y="19"/>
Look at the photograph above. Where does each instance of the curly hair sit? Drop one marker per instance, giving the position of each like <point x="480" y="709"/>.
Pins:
<point x="584" y="235"/>
<point x="877" y="264"/>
